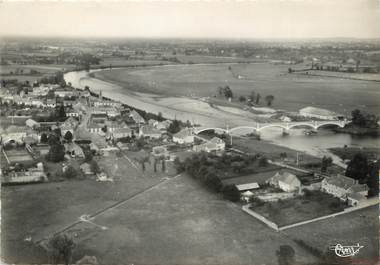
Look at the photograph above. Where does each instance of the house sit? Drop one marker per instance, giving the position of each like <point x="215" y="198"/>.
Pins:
<point x="152" y="122"/>
<point x="136" y="117"/>
<point x="70" y="124"/>
<point x="94" y="127"/>
<point x="51" y="102"/>
<point x="74" y="150"/>
<point x="164" y="125"/>
<point x="342" y="187"/>
<point x="247" y="186"/>
<point x="286" y="181"/>
<point x="113" y="125"/>
<point x="32" y="123"/>
<point x="14" y="133"/>
<point x="98" y="118"/>
<point x="122" y="133"/>
<point x="185" y="136"/>
<point x="86" y="169"/>
<point x="323" y="114"/>
<point x="149" y="131"/>
<point x="219" y="143"/>
<point x="106" y="103"/>
<point x="72" y="113"/>
<point x="285" y="118"/>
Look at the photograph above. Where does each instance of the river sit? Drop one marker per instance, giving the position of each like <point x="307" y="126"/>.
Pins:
<point x="202" y="113"/>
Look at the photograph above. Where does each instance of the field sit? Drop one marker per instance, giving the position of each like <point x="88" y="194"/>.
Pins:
<point x="41" y="209"/>
<point x="291" y="91"/>
<point x="178" y="222"/>
<point x="23" y="72"/>
<point x="348" y="229"/>
<point x="299" y="209"/>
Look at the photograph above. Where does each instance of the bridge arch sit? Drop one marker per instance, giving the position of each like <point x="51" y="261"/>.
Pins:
<point x="209" y="129"/>
<point x="339" y="124"/>
<point x="272" y="125"/>
<point x="310" y="125"/>
<point x="243" y="127"/>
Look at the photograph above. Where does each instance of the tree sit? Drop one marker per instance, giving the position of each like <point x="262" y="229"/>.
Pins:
<point x="94" y="167"/>
<point x="53" y="139"/>
<point x="69" y="173"/>
<point x="372" y="179"/>
<point x="358" y="167"/>
<point x="174" y="127"/>
<point x="230" y="192"/>
<point x="163" y="164"/>
<point x="242" y="98"/>
<point x="61" y="247"/>
<point x="286" y="255"/>
<point x="258" y="96"/>
<point x="155" y="165"/>
<point x="326" y="162"/>
<point x="56" y="153"/>
<point x="44" y="138"/>
<point x="269" y="99"/>
<point x="252" y="97"/>
<point x="60" y="112"/>
<point x="263" y="162"/>
<point x="68" y="136"/>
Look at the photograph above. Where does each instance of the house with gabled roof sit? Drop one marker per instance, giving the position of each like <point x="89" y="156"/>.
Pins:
<point x="185" y="136"/>
<point x="150" y="131"/>
<point x="136" y="117"/>
<point x="343" y="187"/>
<point x="285" y="181"/>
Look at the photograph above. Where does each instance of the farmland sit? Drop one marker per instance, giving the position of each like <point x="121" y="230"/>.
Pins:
<point x="291" y="91"/>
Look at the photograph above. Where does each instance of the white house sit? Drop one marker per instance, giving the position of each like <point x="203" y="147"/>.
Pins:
<point x="185" y="136"/>
<point x="150" y="131"/>
<point x="122" y="132"/>
<point x="286" y="181"/>
<point x="323" y="114"/>
<point x="343" y="187"/>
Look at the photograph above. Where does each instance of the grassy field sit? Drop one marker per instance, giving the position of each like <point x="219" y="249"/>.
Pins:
<point x="22" y="72"/>
<point x="41" y="209"/>
<point x="291" y="92"/>
<point x="179" y="222"/>
<point x="348" y="229"/>
<point x="299" y="209"/>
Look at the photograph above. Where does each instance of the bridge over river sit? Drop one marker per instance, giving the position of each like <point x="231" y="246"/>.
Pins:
<point x="286" y="126"/>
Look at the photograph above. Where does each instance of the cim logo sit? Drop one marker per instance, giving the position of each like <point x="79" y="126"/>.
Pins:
<point x="346" y="251"/>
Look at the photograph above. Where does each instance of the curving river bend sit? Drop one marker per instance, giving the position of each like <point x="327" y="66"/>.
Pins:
<point x="202" y="113"/>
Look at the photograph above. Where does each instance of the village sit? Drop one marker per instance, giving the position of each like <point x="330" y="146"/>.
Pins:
<point x="54" y="132"/>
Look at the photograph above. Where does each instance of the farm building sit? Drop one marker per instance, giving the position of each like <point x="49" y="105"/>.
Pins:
<point x="185" y="136"/>
<point x="323" y="114"/>
<point x="286" y="181"/>
<point x="344" y="188"/>
<point x="150" y="131"/>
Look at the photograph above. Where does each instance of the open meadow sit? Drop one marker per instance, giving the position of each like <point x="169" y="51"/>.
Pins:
<point x="291" y="91"/>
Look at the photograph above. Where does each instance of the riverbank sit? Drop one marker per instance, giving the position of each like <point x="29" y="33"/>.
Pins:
<point x="347" y="153"/>
<point x="358" y="131"/>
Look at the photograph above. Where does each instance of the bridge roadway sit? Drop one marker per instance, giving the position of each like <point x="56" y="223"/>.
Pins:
<point x="286" y="126"/>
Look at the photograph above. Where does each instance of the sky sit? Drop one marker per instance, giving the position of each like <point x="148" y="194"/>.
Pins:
<point x="192" y="19"/>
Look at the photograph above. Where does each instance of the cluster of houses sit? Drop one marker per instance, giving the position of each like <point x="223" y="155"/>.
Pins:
<point x="350" y="65"/>
<point x="346" y="189"/>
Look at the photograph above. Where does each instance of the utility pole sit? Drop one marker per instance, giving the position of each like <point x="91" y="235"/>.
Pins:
<point x="297" y="160"/>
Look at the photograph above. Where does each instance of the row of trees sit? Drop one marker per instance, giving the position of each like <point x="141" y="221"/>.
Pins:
<point x="364" y="120"/>
<point x="365" y="171"/>
<point x="208" y="169"/>
<point x="254" y="98"/>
